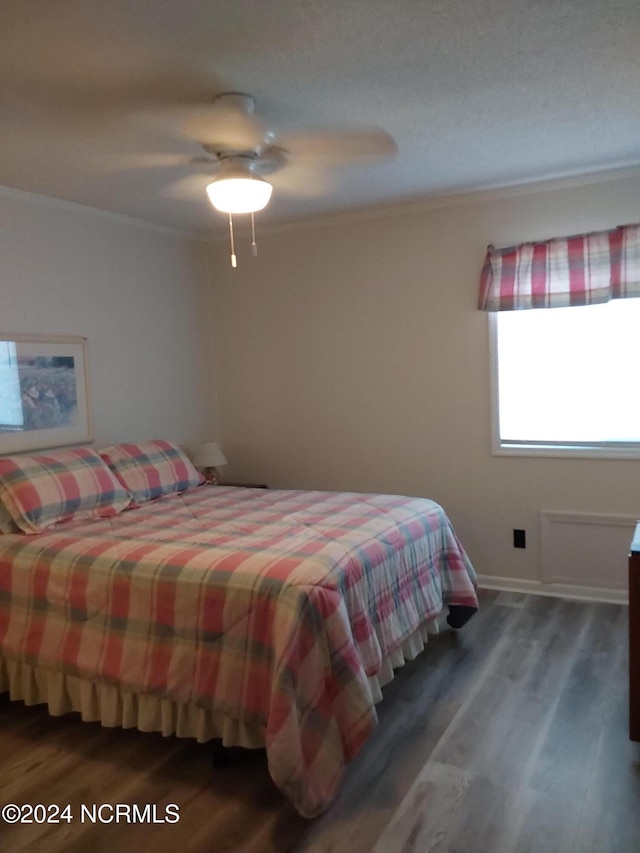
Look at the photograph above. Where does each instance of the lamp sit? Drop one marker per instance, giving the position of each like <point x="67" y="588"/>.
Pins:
<point x="237" y="190"/>
<point x="208" y="457"/>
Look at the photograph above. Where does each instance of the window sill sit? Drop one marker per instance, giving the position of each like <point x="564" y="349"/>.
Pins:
<point x="567" y="451"/>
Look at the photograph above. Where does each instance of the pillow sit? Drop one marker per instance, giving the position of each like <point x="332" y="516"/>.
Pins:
<point x="151" y="469"/>
<point x="7" y="524"/>
<point x="39" y="491"/>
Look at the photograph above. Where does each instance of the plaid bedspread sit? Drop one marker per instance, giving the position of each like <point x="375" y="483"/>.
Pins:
<point x="271" y="607"/>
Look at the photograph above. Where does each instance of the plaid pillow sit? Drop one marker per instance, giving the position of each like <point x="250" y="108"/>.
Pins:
<point x="151" y="469"/>
<point x="7" y="524"/>
<point x="39" y="491"/>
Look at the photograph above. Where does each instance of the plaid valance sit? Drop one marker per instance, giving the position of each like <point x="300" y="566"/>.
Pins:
<point x="580" y="270"/>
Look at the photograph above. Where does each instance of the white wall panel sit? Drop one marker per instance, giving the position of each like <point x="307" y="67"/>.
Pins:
<point x="352" y="356"/>
<point x="585" y="549"/>
<point x="139" y="296"/>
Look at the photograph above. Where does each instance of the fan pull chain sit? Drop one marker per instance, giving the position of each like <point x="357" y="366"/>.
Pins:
<point x="234" y="260"/>
<point x="254" y="245"/>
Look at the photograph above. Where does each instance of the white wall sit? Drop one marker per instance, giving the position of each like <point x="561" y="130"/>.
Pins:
<point x="136" y="293"/>
<point x="351" y="356"/>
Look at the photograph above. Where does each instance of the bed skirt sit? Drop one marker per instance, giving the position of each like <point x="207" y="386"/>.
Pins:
<point x="114" y="707"/>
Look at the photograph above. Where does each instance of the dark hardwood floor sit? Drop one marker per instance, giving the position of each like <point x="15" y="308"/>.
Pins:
<point x="508" y="737"/>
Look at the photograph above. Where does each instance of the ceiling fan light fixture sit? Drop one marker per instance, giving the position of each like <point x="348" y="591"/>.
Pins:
<point x="239" y="193"/>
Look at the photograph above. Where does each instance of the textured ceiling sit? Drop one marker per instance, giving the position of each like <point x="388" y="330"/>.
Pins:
<point x="95" y="95"/>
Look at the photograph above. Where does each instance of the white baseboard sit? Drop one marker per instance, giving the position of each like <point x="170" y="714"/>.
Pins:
<point x="579" y="593"/>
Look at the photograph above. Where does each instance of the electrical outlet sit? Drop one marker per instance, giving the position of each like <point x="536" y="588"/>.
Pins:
<point x="519" y="539"/>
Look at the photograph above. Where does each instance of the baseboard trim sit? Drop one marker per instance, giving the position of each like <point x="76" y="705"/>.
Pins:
<point x="556" y="590"/>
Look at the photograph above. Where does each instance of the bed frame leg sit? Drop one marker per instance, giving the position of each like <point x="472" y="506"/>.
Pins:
<point x="459" y="615"/>
<point x="220" y="755"/>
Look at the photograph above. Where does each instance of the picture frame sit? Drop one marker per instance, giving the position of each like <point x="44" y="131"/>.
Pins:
<point x="44" y="392"/>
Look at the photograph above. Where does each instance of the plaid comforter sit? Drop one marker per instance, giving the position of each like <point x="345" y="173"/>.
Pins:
<point x="271" y="607"/>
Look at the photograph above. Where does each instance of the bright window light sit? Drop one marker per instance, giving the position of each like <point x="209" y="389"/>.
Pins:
<point x="11" y="417"/>
<point x="567" y="378"/>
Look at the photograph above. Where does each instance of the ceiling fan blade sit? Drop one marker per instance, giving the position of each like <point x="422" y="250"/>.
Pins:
<point x="340" y="145"/>
<point x="226" y="128"/>
<point x="270" y="159"/>
<point x="97" y="97"/>
<point x="135" y="162"/>
<point x="300" y="181"/>
<point x="189" y="188"/>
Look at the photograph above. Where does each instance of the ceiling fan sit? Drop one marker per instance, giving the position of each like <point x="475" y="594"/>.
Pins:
<point x="240" y="150"/>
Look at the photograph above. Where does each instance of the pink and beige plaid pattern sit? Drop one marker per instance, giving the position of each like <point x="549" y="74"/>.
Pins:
<point x="39" y="491"/>
<point x="270" y="607"/>
<point x="580" y="270"/>
<point x="151" y="469"/>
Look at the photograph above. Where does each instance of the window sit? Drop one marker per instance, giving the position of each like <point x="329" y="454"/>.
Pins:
<point x="566" y="380"/>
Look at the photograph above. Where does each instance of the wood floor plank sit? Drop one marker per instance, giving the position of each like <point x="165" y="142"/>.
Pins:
<point x="539" y="822"/>
<point x="424" y="821"/>
<point x="507" y="737"/>
<point x="412" y="723"/>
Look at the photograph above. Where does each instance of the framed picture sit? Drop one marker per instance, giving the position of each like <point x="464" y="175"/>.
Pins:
<point x="44" y="392"/>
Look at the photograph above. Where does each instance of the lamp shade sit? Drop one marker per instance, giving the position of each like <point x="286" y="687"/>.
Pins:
<point x="209" y="455"/>
<point x="239" y="192"/>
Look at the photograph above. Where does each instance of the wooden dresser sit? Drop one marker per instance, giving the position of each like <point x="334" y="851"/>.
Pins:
<point x="634" y="636"/>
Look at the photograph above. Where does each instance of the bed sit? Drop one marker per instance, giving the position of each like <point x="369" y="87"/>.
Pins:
<point x="262" y="617"/>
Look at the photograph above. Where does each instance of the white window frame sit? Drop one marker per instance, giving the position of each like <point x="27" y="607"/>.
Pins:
<point x="617" y="450"/>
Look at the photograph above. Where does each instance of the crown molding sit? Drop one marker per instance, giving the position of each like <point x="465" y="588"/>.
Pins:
<point x="442" y="201"/>
<point x="99" y="213"/>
